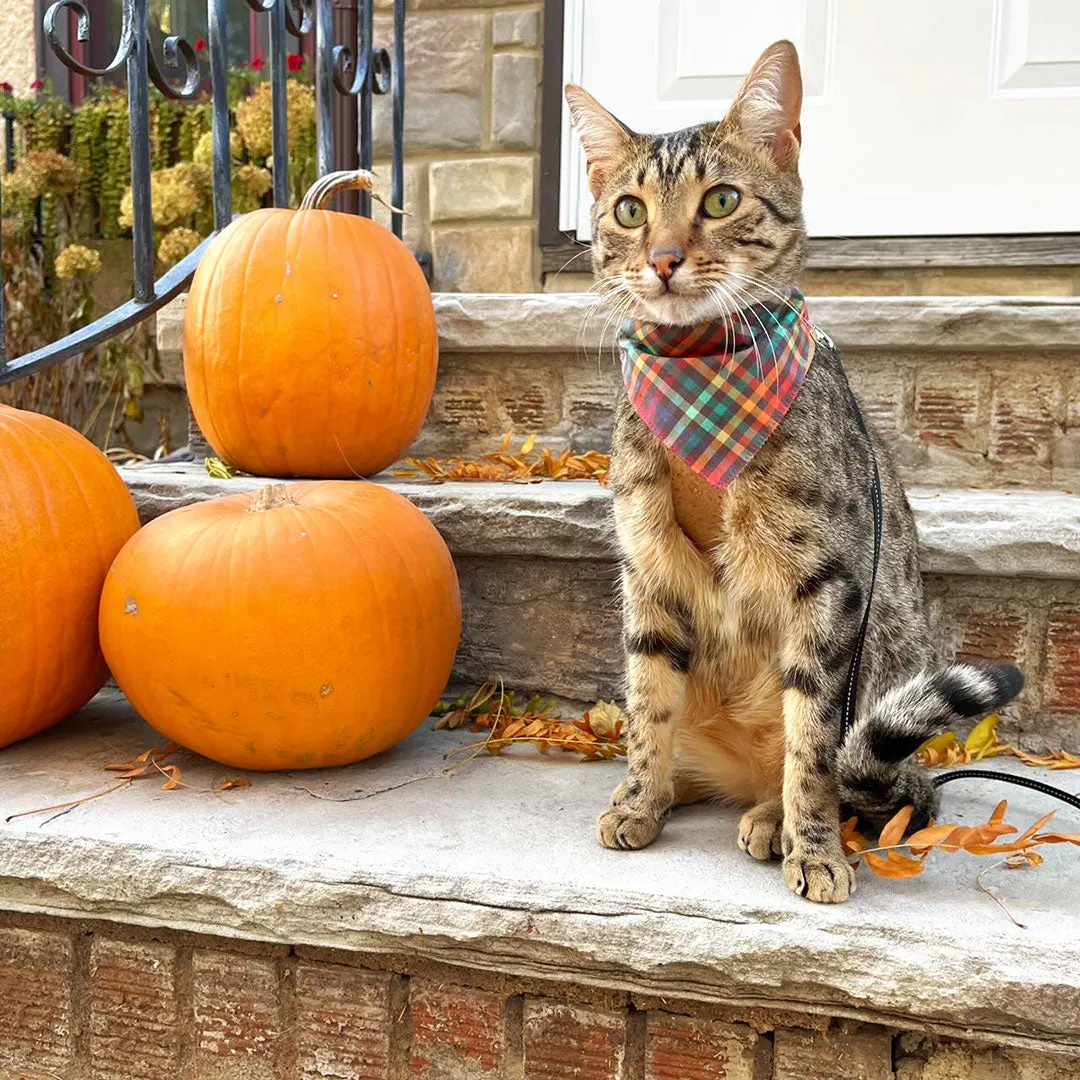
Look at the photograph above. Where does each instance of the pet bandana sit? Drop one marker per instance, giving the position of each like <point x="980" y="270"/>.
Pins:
<point x="712" y="394"/>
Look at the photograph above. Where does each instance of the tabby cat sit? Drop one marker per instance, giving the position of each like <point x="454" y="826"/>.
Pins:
<point x="743" y="604"/>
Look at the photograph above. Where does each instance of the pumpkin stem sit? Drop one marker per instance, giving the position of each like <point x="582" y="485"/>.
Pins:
<point x="326" y="187"/>
<point x="271" y="497"/>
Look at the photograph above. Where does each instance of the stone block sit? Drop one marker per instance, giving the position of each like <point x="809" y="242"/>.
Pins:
<point x="237" y="1009"/>
<point x="496" y="258"/>
<point x="571" y="1042"/>
<point x="415" y="229"/>
<point x="457" y="1032"/>
<point x="687" y="1048"/>
<point x="949" y="406"/>
<point x="35" y="1000"/>
<point x="432" y="5"/>
<point x="516" y="28"/>
<point x="961" y="281"/>
<point x="1062" y="686"/>
<point x="1027" y="410"/>
<point x="882" y="386"/>
<point x="482" y="188"/>
<point x="343" y="1022"/>
<point x="515" y="81"/>
<point x="550" y="623"/>
<point x="846" y="1052"/>
<point x="444" y="60"/>
<point x="983" y="628"/>
<point x="135" y="1027"/>
<point x="926" y="1058"/>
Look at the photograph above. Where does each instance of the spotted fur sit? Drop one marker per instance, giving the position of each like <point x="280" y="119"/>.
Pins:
<point x="742" y="607"/>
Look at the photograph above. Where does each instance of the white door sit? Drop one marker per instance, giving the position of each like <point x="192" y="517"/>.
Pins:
<point x="920" y="117"/>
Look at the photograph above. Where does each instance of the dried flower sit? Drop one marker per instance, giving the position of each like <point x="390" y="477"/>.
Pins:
<point x="253" y="117"/>
<point x="76" y="259"/>
<point x="294" y="61"/>
<point x="177" y="244"/>
<point x="249" y="184"/>
<point x="258" y="62"/>
<point x="200" y="44"/>
<point x="175" y="194"/>
<point x="45" y="172"/>
<point x="203" y="153"/>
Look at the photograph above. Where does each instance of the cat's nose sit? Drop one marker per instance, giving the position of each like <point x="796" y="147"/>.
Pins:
<point x="665" y="262"/>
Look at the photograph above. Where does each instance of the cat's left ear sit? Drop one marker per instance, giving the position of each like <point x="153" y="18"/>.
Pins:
<point x="769" y="103"/>
<point x="605" y="140"/>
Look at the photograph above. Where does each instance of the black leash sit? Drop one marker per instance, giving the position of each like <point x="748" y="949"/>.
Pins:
<point x="851" y="696"/>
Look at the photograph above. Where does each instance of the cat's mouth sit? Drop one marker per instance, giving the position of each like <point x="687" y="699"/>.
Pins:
<point x="679" y="304"/>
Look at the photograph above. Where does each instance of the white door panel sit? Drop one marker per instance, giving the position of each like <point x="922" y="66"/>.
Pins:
<point x="931" y="117"/>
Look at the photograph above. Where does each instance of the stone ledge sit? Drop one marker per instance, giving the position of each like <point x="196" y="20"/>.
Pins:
<point x="493" y="867"/>
<point x="988" y="533"/>
<point x="571" y="322"/>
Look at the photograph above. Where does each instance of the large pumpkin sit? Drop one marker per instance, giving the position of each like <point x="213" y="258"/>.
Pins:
<point x="64" y="514"/>
<point x="309" y="341"/>
<point x="304" y="625"/>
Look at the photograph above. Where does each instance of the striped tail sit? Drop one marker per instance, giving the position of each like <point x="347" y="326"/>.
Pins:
<point x="871" y="766"/>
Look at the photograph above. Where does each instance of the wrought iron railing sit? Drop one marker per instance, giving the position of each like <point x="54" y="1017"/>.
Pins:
<point x="359" y="72"/>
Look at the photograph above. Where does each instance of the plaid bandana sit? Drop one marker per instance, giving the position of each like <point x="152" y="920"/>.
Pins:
<point x="714" y="393"/>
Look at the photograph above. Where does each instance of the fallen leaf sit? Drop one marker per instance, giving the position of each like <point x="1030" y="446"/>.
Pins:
<point x="983" y="737"/>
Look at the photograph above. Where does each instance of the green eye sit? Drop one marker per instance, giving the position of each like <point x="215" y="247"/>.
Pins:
<point x="719" y="201"/>
<point x="630" y="212"/>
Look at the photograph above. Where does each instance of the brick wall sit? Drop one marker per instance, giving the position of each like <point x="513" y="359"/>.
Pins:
<point x="472" y="137"/>
<point x="990" y="419"/>
<point x="85" y="1001"/>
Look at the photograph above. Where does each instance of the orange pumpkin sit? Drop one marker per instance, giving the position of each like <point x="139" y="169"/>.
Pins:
<point x="304" y="625"/>
<point x="309" y="341"/>
<point x="64" y="514"/>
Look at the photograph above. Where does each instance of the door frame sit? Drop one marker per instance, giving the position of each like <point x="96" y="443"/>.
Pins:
<point x="558" y="246"/>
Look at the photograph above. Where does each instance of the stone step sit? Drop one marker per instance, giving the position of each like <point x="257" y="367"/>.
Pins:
<point x="278" y="909"/>
<point x="538" y="577"/>
<point x="972" y="392"/>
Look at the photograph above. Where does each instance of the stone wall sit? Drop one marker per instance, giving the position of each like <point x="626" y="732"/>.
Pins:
<point x="93" y="1001"/>
<point x="472" y="136"/>
<point x="17" y="44"/>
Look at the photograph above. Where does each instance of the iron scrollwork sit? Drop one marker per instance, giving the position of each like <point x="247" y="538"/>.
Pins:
<point x="177" y="54"/>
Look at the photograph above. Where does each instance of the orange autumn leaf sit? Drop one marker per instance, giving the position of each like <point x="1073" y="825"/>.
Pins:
<point x="893" y="832"/>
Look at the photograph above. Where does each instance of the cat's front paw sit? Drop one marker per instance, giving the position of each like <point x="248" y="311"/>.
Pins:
<point x="823" y="877"/>
<point x="627" y="829"/>
<point x="761" y="829"/>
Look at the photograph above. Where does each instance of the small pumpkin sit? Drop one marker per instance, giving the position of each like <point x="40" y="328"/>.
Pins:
<point x="309" y="341"/>
<point x="64" y="514"/>
<point x="304" y="625"/>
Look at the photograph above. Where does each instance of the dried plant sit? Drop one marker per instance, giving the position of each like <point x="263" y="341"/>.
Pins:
<point x="506" y="466"/>
<point x="596" y="736"/>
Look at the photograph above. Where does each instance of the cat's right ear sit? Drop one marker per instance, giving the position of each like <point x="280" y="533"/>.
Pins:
<point x="604" y="139"/>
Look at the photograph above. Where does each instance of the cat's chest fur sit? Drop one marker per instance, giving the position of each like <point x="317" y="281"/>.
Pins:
<point x="699" y="507"/>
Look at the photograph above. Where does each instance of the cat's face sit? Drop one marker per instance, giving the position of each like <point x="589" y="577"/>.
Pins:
<point x="692" y="225"/>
